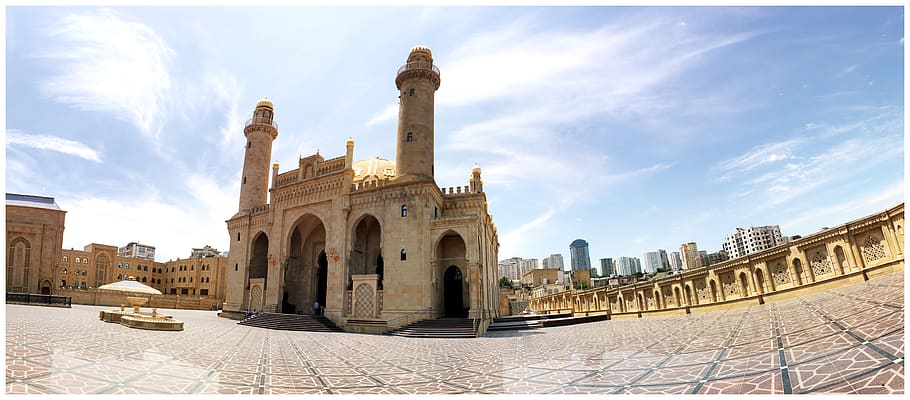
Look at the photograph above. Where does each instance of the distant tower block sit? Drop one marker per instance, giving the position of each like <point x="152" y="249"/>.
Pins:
<point x="417" y="82"/>
<point x="260" y="131"/>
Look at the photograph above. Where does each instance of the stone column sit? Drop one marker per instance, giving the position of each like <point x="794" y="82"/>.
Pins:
<point x="474" y="290"/>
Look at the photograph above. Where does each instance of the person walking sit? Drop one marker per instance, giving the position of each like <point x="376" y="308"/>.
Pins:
<point x="316" y="308"/>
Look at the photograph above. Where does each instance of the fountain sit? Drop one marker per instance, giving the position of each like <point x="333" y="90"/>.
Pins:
<point x="136" y="318"/>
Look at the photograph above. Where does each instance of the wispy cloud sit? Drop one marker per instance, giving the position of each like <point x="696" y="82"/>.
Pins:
<point x="46" y="142"/>
<point x="106" y="63"/>
<point x="387" y="114"/>
<point x="846" y="70"/>
<point x="813" y="219"/>
<point x="757" y="157"/>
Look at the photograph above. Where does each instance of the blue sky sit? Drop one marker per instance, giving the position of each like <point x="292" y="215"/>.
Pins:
<point x="632" y="128"/>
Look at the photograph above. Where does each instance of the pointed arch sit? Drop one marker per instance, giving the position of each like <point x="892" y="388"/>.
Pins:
<point x="19" y="260"/>
<point x="102" y="264"/>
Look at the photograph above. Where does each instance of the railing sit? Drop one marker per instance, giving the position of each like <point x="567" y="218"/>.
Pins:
<point x="417" y="65"/>
<point x="407" y="318"/>
<point x="260" y="121"/>
<point x="29" y="298"/>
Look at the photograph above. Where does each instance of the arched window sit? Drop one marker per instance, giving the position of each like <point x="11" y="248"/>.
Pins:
<point x="83" y="285"/>
<point x="404" y="254"/>
<point x="143" y="279"/>
<point x="410" y="137"/>
<point x="65" y="259"/>
<point x="404" y="210"/>
<point x="85" y="260"/>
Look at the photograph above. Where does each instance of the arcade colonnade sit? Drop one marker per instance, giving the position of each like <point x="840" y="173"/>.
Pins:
<point x="850" y="253"/>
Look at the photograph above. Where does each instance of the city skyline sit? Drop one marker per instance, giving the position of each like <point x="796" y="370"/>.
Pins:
<point x="633" y="128"/>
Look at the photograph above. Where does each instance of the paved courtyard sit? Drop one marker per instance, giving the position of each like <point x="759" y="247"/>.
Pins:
<point x="848" y="340"/>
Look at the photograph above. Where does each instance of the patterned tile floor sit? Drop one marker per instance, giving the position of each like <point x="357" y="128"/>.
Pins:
<point x="847" y="340"/>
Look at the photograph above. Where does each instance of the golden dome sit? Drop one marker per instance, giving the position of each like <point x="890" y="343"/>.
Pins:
<point x="373" y="169"/>
<point x="265" y="102"/>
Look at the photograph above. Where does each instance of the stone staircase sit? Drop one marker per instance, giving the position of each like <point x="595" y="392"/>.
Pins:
<point x="518" y="322"/>
<point x="443" y="328"/>
<point x="292" y="322"/>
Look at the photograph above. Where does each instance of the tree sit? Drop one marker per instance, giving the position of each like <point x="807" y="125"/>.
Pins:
<point x="505" y="282"/>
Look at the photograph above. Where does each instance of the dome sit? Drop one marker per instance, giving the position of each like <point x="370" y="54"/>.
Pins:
<point x="373" y="169"/>
<point x="265" y="102"/>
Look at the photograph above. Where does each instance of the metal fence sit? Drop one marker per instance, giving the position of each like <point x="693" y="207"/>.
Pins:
<point x="44" y="299"/>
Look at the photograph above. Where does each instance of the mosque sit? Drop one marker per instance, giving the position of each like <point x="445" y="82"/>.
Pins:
<point x="376" y="243"/>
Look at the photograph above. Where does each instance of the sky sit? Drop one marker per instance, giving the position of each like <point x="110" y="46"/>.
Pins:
<point x="635" y="129"/>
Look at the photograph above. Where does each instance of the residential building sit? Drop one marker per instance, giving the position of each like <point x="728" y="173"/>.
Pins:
<point x="752" y="240"/>
<point x="606" y="267"/>
<point x="651" y="262"/>
<point x="664" y="259"/>
<point x="689" y="254"/>
<point x="137" y="250"/>
<point x="675" y="261"/>
<point x="554" y="261"/>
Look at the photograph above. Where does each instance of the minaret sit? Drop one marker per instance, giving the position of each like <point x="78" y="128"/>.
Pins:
<point x="417" y="82"/>
<point x="260" y="131"/>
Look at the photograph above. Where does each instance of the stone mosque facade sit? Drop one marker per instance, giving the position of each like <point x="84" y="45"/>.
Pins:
<point x="377" y="243"/>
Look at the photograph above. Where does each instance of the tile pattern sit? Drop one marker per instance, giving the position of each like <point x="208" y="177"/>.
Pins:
<point x="847" y="340"/>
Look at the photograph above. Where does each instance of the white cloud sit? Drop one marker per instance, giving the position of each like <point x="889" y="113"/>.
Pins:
<point x="105" y="63"/>
<point x="756" y="157"/>
<point x="145" y="219"/>
<point x="847" y="70"/>
<point x="387" y="114"/>
<point x="810" y="220"/>
<point x="53" y="143"/>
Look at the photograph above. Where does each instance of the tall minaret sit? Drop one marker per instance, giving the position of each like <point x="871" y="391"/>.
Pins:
<point x="260" y="131"/>
<point x="417" y="82"/>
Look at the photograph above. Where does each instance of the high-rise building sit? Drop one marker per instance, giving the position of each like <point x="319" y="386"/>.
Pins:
<point x="554" y="261"/>
<point x="637" y="265"/>
<point x="514" y="268"/>
<point x="652" y="262"/>
<point x="675" y="261"/>
<point x="628" y="266"/>
<point x="606" y="267"/>
<point x="689" y="254"/>
<point x="578" y="250"/>
<point x="664" y="259"/>
<point x="137" y="250"/>
<point x="752" y="240"/>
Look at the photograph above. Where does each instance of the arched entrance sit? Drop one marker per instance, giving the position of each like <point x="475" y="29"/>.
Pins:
<point x="45" y="287"/>
<point x="366" y="249"/>
<point x="305" y="268"/>
<point x="454" y="293"/>
<point x="743" y="284"/>
<point x="713" y="291"/>
<point x="452" y="264"/>
<point x="259" y="263"/>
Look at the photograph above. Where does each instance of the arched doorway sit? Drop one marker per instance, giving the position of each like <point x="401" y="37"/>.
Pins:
<point x="45" y="287"/>
<point x="798" y="270"/>
<point x="259" y="263"/>
<point x="454" y="293"/>
<point x="322" y="278"/>
<point x="455" y="296"/>
<point x="841" y="259"/>
<point x="305" y="268"/>
<point x="713" y="291"/>
<point x="366" y="247"/>
<point x="760" y="281"/>
<point x="102" y="263"/>
<point x="743" y="284"/>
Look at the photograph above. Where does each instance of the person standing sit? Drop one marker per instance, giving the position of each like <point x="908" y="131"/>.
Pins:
<point x="316" y="308"/>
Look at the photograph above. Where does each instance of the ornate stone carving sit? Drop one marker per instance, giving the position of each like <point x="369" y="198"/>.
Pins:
<point x="873" y="249"/>
<point x="364" y="301"/>
<point x="779" y="273"/>
<point x="821" y="264"/>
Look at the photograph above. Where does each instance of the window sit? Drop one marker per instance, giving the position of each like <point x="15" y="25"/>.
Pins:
<point x="143" y="279"/>
<point x="126" y="266"/>
<point x="85" y="260"/>
<point x="192" y="267"/>
<point x="172" y="280"/>
<point x="119" y="265"/>
<point x="64" y="258"/>
<point x="410" y="136"/>
<point x="404" y="254"/>
<point x="119" y="276"/>
<point x="77" y="260"/>
<point x="83" y="285"/>
<point x="63" y="271"/>
<point x="203" y="292"/>
<point x="184" y="291"/>
<point x="63" y="283"/>
<point x="76" y="271"/>
<point x="191" y="279"/>
<point x="248" y="144"/>
<point x="235" y="267"/>
<point x="145" y="268"/>
<point x="411" y="93"/>
<point x="84" y="272"/>
<point x="435" y="212"/>
<point x="244" y="179"/>
<point x="404" y="210"/>
<point x="238" y="236"/>
<point x="173" y="290"/>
